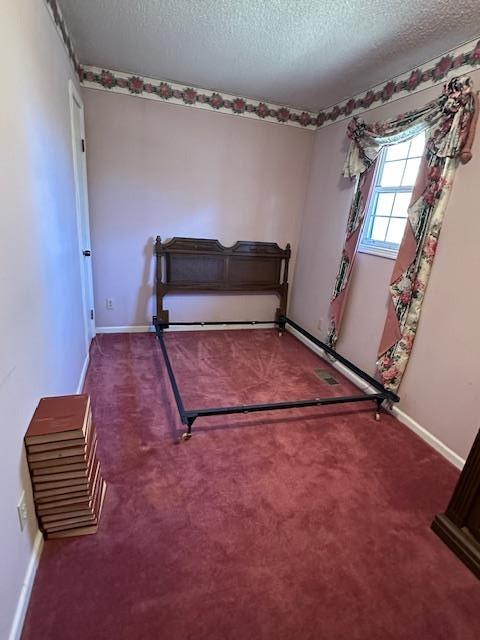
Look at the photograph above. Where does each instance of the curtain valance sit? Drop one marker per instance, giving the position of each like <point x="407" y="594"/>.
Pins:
<point x="448" y="117"/>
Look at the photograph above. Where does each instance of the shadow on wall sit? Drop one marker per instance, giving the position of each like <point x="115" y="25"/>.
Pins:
<point x="144" y="306"/>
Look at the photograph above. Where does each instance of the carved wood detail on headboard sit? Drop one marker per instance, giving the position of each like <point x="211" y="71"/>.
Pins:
<point x="200" y="265"/>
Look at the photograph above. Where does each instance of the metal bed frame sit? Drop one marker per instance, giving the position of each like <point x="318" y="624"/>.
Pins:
<point x="199" y="265"/>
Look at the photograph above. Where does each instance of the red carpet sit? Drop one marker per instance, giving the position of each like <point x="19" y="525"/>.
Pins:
<point x="301" y="525"/>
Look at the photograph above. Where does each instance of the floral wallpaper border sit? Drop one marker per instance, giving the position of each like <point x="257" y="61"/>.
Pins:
<point x="97" y="78"/>
<point x="457" y="61"/>
<point x="61" y="26"/>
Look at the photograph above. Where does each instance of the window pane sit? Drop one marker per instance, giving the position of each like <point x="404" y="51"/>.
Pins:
<point x="379" y="229"/>
<point x="384" y="204"/>
<point x="395" y="230"/>
<point x="392" y="173"/>
<point x="398" y="151"/>
<point x="411" y="171"/>
<point x="392" y="192"/>
<point x="402" y="200"/>
<point x="418" y="145"/>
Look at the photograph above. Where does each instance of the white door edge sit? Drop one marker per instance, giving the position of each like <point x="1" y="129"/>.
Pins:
<point x="83" y="225"/>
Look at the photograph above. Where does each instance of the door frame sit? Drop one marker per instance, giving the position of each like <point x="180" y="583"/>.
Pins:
<point x="83" y="218"/>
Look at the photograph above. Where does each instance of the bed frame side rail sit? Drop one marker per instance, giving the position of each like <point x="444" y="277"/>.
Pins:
<point x="188" y="416"/>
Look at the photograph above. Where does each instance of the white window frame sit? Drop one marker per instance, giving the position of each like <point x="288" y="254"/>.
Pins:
<point x="379" y="247"/>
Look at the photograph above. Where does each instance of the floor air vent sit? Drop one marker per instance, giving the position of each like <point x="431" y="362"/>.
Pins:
<point x="326" y="376"/>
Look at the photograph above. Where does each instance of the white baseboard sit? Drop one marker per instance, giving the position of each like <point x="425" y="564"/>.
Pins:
<point x="196" y="327"/>
<point x="357" y="381"/>
<point x="428" y="437"/>
<point x="83" y="374"/>
<point x="133" y="328"/>
<point x="401" y="416"/>
<point x="23" y="600"/>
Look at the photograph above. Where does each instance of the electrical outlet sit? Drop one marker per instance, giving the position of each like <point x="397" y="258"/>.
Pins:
<point x="22" y="511"/>
<point x="109" y="303"/>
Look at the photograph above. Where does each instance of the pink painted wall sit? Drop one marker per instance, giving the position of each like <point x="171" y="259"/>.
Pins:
<point x="441" y="387"/>
<point x="42" y="347"/>
<point x="156" y="168"/>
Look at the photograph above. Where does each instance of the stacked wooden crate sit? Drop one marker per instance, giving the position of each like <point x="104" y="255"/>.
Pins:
<point x="68" y="488"/>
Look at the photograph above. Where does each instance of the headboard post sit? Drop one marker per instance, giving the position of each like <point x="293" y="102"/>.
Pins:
<point x="281" y="312"/>
<point x="162" y="315"/>
<point x="288" y="253"/>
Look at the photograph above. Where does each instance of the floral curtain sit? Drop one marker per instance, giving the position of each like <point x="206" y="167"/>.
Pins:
<point x="449" y="122"/>
<point x="354" y="227"/>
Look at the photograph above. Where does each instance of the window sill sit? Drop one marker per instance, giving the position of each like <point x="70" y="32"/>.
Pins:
<point x="381" y="252"/>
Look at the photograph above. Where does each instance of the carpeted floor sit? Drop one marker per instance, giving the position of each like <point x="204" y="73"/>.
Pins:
<point x="301" y="525"/>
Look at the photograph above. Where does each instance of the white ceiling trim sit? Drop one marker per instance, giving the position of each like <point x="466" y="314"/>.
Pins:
<point x="463" y="59"/>
<point x="62" y="30"/>
<point x="195" y="97"/>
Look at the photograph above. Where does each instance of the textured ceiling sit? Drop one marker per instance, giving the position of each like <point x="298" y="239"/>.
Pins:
<point x="304" y="53"/>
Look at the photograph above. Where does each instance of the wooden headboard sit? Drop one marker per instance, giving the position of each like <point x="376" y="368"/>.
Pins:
<point x="198" y="265"/>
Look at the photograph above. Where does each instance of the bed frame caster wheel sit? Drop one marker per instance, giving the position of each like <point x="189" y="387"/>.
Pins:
<point x="186" y="436"/>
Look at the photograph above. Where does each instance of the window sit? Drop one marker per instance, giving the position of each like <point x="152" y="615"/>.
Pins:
<point x="390" y="196"/>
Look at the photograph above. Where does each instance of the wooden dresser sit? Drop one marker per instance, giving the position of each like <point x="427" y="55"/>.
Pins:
<point x="459" y="526"/>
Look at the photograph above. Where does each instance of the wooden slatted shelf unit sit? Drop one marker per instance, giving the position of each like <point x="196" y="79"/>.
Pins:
<point x="68" y="488"/>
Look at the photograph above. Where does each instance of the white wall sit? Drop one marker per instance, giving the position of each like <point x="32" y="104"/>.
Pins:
<point x="42" y="347"/>
<point x="157" y="168"/>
